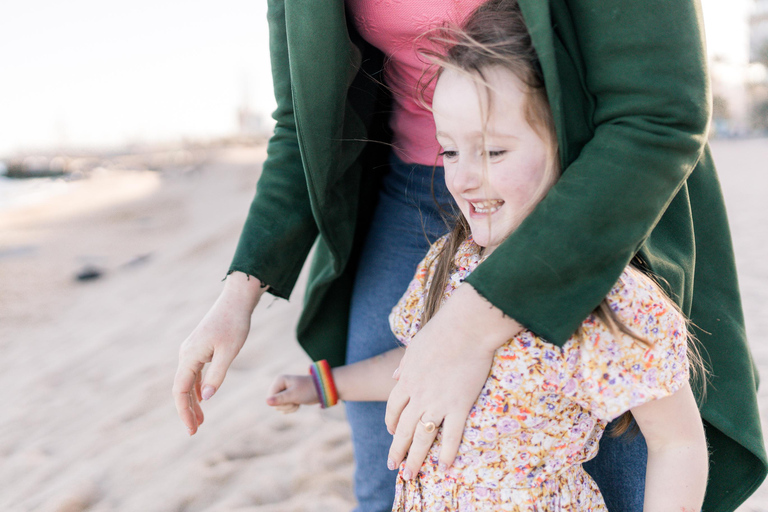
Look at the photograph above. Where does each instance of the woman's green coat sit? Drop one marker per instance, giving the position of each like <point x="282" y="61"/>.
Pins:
<point x="628" y="87"/>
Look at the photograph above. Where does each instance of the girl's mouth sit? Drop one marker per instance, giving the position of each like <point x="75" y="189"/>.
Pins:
<point x="486" y="207"/>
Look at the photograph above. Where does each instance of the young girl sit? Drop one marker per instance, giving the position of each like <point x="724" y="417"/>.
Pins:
<point x="543" y="409"/>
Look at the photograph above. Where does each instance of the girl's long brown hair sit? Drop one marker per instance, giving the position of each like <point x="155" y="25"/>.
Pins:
<point x="494" y="35"/>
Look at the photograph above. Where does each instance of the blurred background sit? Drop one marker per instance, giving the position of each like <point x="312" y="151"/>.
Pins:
<point x="131" y="139"/>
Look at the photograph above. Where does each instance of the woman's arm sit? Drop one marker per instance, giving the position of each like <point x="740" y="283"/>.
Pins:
<point x="676" y="477"/>
<point x="369" y="380"/>
<point x="278" y="234"/>
<point x="280" y="228"/>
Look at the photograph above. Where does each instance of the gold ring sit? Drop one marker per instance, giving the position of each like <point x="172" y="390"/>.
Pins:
<point x="428" y="426"/>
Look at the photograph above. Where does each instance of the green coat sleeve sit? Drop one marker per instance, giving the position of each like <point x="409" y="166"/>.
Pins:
<point x="645" y="73"/>
<point x="280" y="228"/>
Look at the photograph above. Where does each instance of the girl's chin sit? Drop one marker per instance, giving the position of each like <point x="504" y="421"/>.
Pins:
<point x="489" y="239"/>
<point x="483" y="241"/>
<point x="487" y="243"/>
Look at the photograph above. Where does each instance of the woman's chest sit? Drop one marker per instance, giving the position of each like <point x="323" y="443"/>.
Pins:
<point x="392" y="25"/>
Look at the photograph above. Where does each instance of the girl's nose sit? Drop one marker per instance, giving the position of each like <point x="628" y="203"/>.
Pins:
<point x="468" y="175"/>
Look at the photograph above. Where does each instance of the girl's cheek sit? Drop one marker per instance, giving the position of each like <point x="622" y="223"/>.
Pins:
<point x="450" y="176"/>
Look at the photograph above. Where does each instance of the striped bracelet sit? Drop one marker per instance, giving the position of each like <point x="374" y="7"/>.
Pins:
<point x="324" y="385"/>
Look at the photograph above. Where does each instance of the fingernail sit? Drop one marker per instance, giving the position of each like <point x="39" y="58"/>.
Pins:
<point x="407" y="474"/>
<point x="190" y="431"/>
<point x="208" y="392"/>
<point x="390" y="464"/>
<point x="394" y="375"/>
<point x="390" y="432"/>
<point x="443" y="466"/>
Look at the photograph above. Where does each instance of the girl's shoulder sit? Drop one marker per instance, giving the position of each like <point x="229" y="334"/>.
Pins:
<point x="639" y="303"/>
<point x="648" y="321"/>
<point x="642" y="359"/>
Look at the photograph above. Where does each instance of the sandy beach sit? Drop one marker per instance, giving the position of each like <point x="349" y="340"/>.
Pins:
<point x="86" y="367"/>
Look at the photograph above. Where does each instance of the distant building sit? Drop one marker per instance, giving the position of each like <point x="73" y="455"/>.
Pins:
<point x="253" y="124"/>
<point x="758" y="76"/>
<point x="758" y="32"/>
<point x="730" y="101"/>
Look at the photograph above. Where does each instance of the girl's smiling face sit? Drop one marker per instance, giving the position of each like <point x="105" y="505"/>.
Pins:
<point x="497" y="167"/>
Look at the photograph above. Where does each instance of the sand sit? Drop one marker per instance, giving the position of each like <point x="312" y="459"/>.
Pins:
<point x="86" y="368"/>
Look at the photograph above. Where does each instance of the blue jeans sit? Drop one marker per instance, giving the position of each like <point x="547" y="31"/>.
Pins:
<point x="405" y="223"/>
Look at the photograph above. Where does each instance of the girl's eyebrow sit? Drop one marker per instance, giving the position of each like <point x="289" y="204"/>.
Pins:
<point x="488" y="133"/>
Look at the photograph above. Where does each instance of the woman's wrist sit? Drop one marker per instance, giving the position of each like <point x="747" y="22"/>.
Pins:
<point x="243" y="289"/>
<point x="477" y="319"/>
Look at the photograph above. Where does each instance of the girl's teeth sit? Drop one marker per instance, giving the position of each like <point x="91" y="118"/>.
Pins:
<point x="487" y="206"/>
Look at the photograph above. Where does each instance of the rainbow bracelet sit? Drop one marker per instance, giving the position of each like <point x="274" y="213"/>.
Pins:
<point x="324" y="385"/>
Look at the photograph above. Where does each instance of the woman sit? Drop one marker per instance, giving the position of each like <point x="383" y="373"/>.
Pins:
<point x="628" y="88"/>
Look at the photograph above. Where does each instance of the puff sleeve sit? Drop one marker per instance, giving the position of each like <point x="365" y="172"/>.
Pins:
<point x="617" y="373"/>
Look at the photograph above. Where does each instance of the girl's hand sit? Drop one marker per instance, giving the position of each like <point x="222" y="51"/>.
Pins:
<point x="288" y="392"/>
<point x="217" y="339"/>
<point x="441" y="375"/>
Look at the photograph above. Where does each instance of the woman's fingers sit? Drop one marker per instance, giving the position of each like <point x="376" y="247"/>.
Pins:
<point x="186" y="385"/>
<point x="396" y="403"/>
<point x="182" y="396"/>
<point x="196" y="409"/>
<point x="453" y="430"/>
<point x="194" y="399"/>
<point x="423" y="437"/>
<point x="402" y="437"/>
<point x="198" y="386"/>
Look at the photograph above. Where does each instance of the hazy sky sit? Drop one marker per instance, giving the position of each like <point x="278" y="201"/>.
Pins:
<point x="95" y="72"/>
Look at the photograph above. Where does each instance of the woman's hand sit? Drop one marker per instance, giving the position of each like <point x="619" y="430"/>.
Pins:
<point x="441" y="375"/>
<point x="217" y="339"/>
<point x="288" y="392"/>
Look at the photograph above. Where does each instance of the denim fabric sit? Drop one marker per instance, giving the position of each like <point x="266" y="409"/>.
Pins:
<point x="619" y="471"/>
<point x="405" y="223"/>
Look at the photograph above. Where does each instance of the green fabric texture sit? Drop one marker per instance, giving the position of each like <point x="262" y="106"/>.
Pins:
<point x="628" y="87"/>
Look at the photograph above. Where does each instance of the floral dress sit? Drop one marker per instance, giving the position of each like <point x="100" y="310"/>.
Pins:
<point x="544" y="408"/>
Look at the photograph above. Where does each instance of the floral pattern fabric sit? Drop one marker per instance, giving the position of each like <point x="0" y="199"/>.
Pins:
<point x="544" y="408"/>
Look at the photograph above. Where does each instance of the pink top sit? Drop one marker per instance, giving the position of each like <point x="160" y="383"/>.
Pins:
<point x="394" y="27"/>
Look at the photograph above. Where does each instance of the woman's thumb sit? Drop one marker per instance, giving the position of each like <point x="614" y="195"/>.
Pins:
<point x="215" y="374"/>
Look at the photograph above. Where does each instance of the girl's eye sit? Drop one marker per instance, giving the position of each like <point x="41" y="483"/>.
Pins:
<point x="448" y="154"/>
<point x="496" y="153"/>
